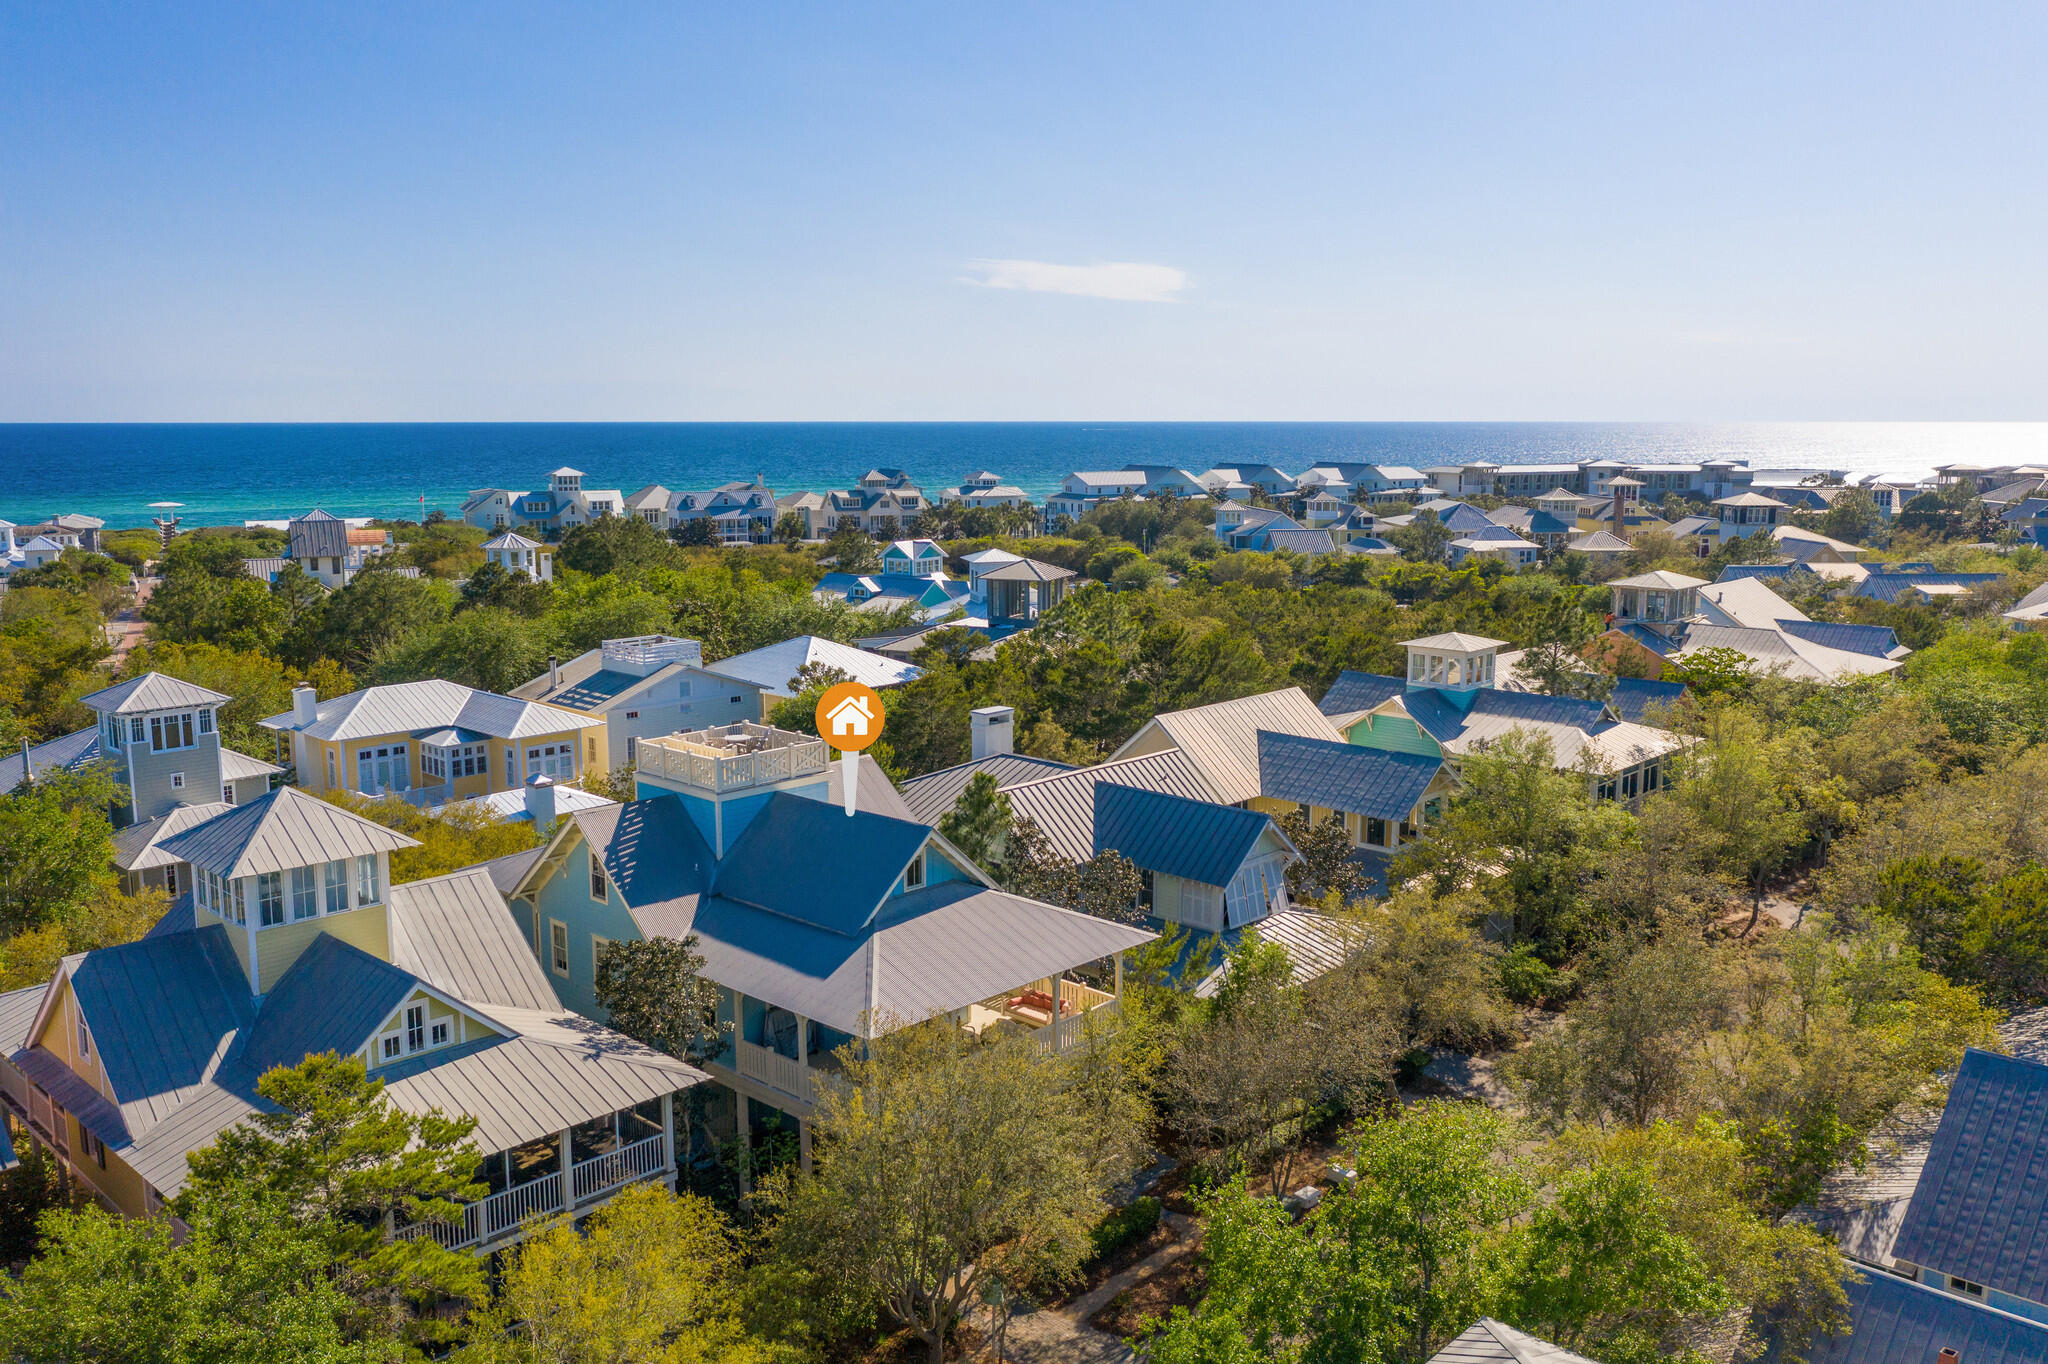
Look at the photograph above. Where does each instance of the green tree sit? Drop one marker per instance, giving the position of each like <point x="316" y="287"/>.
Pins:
<point x="1555" y="657"/>
<point x="1931" y="896"/>
<point x="1326" y="867"/>
<point x="654" y="990"/>
<point x="941" y="1165"/>
<point x="249" y="1284"/>
<point x="56" y="846"/>
<point x="790" y="529"/>
<point x="342" y="1161"/>
<point x="375" y="610"/>
<point x="1107" y="885"/>
<point x="699" y="532"/>
<point x="652" y="1279"/>
<point x="851" y="548"/>
<point x="979" y="823"/>
<point x="2005" y="936"/>
<point x="488" y="648"/>
<point x="615" y="545"/>
<point x="1735" y="789"/>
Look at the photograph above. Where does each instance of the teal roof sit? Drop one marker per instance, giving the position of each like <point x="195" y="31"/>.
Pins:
<point x="813" y="862"/>
<point x="1337" y="776"/>
<point x="1196" y="840"/>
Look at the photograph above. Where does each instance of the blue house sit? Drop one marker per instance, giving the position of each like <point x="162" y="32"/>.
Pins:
<point x="914" y="558"/>
<point x="819" y="928"/>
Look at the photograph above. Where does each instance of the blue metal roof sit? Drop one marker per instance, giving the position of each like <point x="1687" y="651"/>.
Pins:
<point x="1632" y="695"/>
<point x="1355" y="691"/>
<point x="1299" y="541"/>
<point x="2026" y="510"/>
<point x="1896" y="1321"/>
<point x="809" y="861"/>
<point x="1437" y="713"/>
<point x="1731" y="572"/>
<point x="1338" y="776"/>
<point x="1463" y="516"/>
<point x="1195" y="840"/>
<point x="66" y="751"/>
<point x="1651" y="640"/>
<point x="1980" y="1210"/>
<point x="1887" y="586"/>
<point x="1878" y="641"/>
<point x="331" y="999"/>
<point x="594" y="690"/>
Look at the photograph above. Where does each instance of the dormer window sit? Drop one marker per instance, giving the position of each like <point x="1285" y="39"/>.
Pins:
<point x="913" y="875"/>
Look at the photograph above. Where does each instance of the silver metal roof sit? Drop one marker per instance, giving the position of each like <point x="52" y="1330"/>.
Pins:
<point x="1063" y="806"/>
<point x="455" y="932"/>
<point x="284" y="829"/>
<point x="240" y="766"/>
<point x="409" y="707"/>
<point x="1488" y="1341"/>
<point x="929" y="798"/>
<point x="135" y="847"/>
<point x="1222" y="739"/>
<point x="151" y="691"/>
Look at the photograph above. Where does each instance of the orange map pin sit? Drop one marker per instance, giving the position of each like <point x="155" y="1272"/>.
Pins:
<point x="849" y="719"/>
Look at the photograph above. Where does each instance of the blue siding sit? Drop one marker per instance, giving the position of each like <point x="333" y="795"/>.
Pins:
<point x="566" y="896"/>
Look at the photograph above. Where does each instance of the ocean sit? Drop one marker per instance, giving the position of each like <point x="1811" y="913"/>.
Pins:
<point x="226" y="474"/>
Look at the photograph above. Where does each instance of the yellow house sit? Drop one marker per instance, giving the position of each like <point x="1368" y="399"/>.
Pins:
<point x="292" y="942"/>
<point x="437" y="738"/>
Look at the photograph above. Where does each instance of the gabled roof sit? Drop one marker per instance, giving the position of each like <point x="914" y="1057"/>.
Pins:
<point x="453" y="932"/>
<point x="1748" y="500"/>
<point x="1356" y="691"/>
<point x="1600" y="542"/>
<point x="1063" y="805"/>
<point x="1887" y="586"/>
<point x="333" y="997"/>
<point x="151" y="691"/>
<point x="772" y="666"/>
<point x="410" y="707"/>
<point x="848" y="866"/>
<point x="1196" y="840"/>
<point x="931" y="797"/>
<point x="236" y="766"/>
<point x="135" y="847"/>
<point x="1487" y="1341"/>
<point x="656" y="857"/>
<point x="1748" y="602"/>
<point x="1340" y="776"/>
<point x="1300" y="541"/>
<point x="67" y="752"/>
<point x="1632" y="696"/>
<point x="1576" y="728"/>
<point x="1775" y="648"/>
<point x="1879" y="641"/>
<point x="1221" y="738"/>
<point x="286" y="828"/>
<point x="1980" y="1211"/>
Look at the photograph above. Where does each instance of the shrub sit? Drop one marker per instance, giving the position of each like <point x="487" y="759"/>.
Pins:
<point x="1525" y="977"/>
<point x="1125" y="1226"/>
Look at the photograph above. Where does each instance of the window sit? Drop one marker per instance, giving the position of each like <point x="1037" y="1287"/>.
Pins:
<point x="416" y="1027"/>
<point x="632" y="715"/>
<point x="590" y="751"/>
<point x="134" y="729"/>
<point x="600" y="890"/>
<point x="206" y="722"/>
<point x="552" y="760"/>
<point x="597" y="947"/>
<point x="1975" y="1290"/>
<point x="269" y="899"/>
<point x="202" y="888"/>
<point x="337" y="887"/>
<point x="913" y="875"/>
<point x="84" y="1039"/>
<point x="170" y="731"/>
<point x="466" y="760"/>
<point x="1376" y="832"/>
<point x="227" y="793"/>
<point x="381" y="769"/>
<point x="558" y="946"/>
<point x="177" y="781"/>
<point x="95" y="1148"/>
<point x="171" y="882"/>
<point x="367" y="891"/>
<point x="241" y="884"/>
<point x="305" y="893"/>
<point x="439" y="1037"/>
<point x="389" y="1046"/>
<point x="330" y="767"/>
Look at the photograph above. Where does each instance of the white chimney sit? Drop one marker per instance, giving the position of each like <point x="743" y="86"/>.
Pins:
<point x="554" y="672"/>
<point x="995" y="731"/>
<point x="305" y="705"/>
<point x="540" y="800"/>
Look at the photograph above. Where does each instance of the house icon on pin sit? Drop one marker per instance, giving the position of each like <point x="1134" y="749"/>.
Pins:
<point x="851" y="716"/>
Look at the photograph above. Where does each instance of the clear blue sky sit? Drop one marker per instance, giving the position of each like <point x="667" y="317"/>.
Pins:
<point x="964" y="210"/>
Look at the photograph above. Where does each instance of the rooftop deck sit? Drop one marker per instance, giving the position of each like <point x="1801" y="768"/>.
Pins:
<point x="733" y="757"/>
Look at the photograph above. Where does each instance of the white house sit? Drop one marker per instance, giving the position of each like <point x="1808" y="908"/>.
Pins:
<point x="515" y="553"/>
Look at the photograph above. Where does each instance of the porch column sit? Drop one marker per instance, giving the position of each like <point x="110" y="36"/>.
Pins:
<point x="1119" y="960"/>
<point x="803" y="1058"/>
<point x="746" y="1124"/>
<point x="668" y="1136"/>
<point x="1054" y="983"/>
<point x="803" y="1144"/>
<point x="568" y="1174"/>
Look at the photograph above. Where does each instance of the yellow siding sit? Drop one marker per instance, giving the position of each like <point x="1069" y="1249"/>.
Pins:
<point x="1151" y="739"/>
<point x="595" y="757"/>
<point x="279" y="946"/>
<point x="1270" y="805"/>
<point x="122" y="1186"/>
<point x="465" y="1027"/>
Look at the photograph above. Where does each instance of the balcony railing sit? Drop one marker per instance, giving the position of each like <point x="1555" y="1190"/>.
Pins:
<point x="732" y="756"/>
<point x="502" y="1214"/>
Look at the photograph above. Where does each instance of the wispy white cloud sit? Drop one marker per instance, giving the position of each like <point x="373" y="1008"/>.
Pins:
<point x="1127" y="281"/>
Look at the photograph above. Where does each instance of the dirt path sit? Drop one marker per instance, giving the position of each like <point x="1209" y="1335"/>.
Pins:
<point x="124" y="629"/>
<point x="1063" y="1335"/>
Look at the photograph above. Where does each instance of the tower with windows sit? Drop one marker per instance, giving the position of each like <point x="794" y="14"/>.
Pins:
<point x="163" y="736"/>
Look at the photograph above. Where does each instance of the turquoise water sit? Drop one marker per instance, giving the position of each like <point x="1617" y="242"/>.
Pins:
<point x="231" y="473"/>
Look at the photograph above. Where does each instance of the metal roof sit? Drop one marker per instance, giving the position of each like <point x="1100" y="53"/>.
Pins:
<point x="935" y="950"/>
<point x="1300" y="541"/>
<point x="318" y="534"/>
<point x="1573" y="727"/>
<point x="151" y="691"/>
<point x="929" y="798"/>
<point x="512" y="540"/>
<point x="1221" y="739"/>
<point x="1196" y="840"/>
<point x="1660" y="579"/>
<point x="286" y="828"/>
<point x="1895" y="1321"/>
<point x="1063" y="805"/>
<point x="332" y="998"/>
<point x="68" y="752"/>
<point x="162" y="1012"/>
<point x="656" y="857"/>
<point x="1454" y="640"/>
<point x="1774" y="648"/>
<point x="508" y="871"/>
<point x="1487" y="1341"/>
<point x="1339" y="776"/>
<point x="18" y="1009"/>
<point x="1027" y="571"/>
<point x="847" y="865"/>
<point x="408" y="707"/>
<point x="135" y="847"/>
<point x="1316" y="945"/>
<point x="1879" y="641"/>
<point x="454" y="932"/>
<point x="236" y="766"/>
<point x="1748" y="602"/>
<point x="1887" y="586"/>
<point x="1980" y="1211"/>
<point x="874" y="793"/>
<point x="1633" y="695"/>
<point x="772" y="666"/>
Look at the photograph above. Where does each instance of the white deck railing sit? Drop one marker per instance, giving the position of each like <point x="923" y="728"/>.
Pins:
<point x="767" y="1066"/>
<point x="601" y="1174"/>
<point x="502" y="1214"/>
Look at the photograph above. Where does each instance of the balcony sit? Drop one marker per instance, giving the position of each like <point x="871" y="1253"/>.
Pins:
<point x="503" y="1215"/>
<point x="732" y="757"/>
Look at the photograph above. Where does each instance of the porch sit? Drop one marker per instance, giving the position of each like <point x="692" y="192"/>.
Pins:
<point x="571" y="1171"/>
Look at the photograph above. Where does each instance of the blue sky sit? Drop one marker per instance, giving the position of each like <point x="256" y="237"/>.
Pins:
<point x="959" y="211"/>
